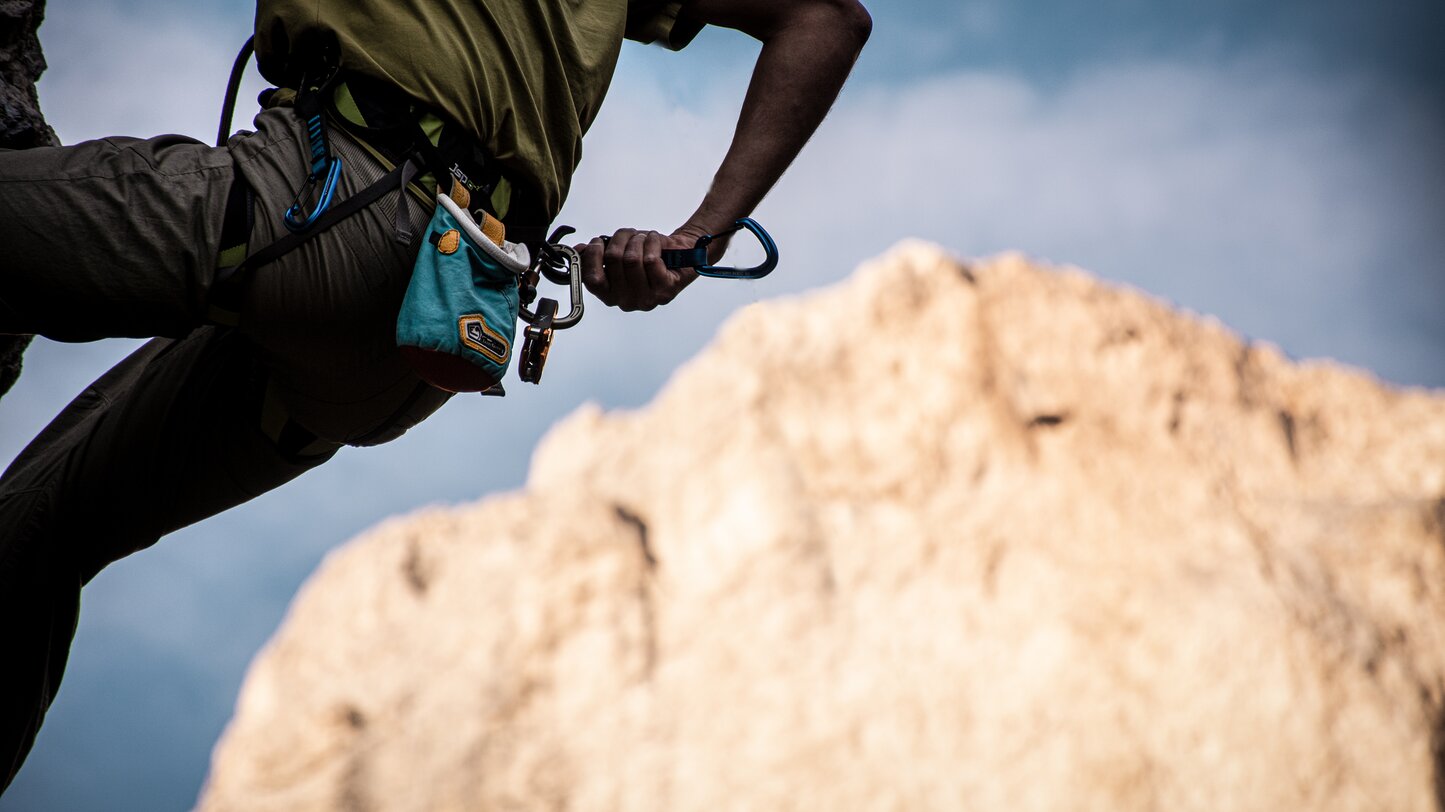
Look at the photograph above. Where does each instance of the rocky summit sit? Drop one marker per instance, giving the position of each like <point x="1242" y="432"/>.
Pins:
<point x="954" y="536"/>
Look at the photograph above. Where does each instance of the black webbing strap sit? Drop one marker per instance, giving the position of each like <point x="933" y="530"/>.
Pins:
<point x="684" y="257"/>
<point x="441" y="161"/>
<point x="296" y="443"/>
<point x="392" y="127"/>
<point x="228" y="287"/>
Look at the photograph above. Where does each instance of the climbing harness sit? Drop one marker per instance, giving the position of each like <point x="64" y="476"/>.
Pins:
<point x="469" y="286"/>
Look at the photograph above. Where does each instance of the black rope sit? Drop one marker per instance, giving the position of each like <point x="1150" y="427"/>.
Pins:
<point x="228" y="108"/>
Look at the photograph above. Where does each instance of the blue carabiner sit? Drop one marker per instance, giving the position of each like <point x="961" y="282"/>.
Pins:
<point x="296" y="219"/>
<point x="696" y="257"/>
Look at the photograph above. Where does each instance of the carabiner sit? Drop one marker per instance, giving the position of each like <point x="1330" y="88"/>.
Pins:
<point x="296" y="219"/>
<point x="560" y="264"/>
<point x="558" y="261"/>
<point x="696" y="257"/>
<point x="556" y="265"/>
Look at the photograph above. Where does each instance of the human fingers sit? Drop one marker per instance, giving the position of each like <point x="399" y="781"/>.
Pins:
<point x="625" y="271"/>
<point x="662" y="280"/>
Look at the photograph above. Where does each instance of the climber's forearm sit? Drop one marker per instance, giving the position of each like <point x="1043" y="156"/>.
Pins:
<point x="809" y="47"/>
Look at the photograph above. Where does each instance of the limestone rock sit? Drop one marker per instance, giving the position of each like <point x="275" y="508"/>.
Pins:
<point x="984" y="537"/>
<point x="21" y="124"/>
<point x="21" y="63"/>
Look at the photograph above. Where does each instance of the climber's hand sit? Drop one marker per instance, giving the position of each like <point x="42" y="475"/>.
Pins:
<point x="626" y="270"/>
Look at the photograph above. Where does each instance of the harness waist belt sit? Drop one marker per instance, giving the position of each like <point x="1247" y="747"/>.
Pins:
<point x="395" y="125"/>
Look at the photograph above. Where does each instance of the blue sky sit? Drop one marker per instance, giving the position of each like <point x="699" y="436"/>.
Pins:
<point x="1275" y="165"/>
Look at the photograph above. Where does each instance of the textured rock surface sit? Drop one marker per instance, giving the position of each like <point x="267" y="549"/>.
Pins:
<point x="21" y="63"/>
<point x="986" y="538"/>
<point x="21" y="125"/>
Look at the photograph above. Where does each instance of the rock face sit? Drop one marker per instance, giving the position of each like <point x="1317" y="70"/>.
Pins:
<point x="21" y="125"/>
<point x="987" y="537"/>
<point x="21" y="63"/>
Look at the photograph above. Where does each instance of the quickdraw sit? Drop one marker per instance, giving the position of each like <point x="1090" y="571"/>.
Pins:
<point x="560" y="265"/>
<point x="325" y="168"/>
<point x="696" y="257"/>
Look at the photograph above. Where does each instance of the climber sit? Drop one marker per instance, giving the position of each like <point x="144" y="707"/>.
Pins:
<point x="238" y="394"/>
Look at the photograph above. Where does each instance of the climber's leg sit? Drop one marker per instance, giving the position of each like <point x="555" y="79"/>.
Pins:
<point x="188" y="427"/>
<point x="168" y="437"/>
<point x="116" y="237"/>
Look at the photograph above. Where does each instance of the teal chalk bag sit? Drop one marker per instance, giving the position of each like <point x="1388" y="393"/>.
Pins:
<point x="459" y="316"/>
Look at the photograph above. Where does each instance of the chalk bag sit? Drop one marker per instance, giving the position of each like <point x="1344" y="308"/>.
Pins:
<point x="459" y="316"/>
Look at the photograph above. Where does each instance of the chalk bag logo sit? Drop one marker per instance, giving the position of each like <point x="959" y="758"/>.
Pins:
<point x="479" y="336"/>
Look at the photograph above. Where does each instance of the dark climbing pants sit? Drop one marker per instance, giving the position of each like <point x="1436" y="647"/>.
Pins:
<point x="120" y="237"/>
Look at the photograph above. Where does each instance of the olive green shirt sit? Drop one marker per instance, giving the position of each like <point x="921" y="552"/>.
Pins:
<point x="524" y="76"/>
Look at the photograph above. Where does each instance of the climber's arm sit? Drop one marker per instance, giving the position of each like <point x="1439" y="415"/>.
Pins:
<point x="809" y="47"/>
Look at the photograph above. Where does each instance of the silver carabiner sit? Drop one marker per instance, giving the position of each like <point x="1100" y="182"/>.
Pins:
<point x="559" y="262"/>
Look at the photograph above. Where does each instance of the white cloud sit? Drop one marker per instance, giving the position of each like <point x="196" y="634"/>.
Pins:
<point x="115" y="69"/>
